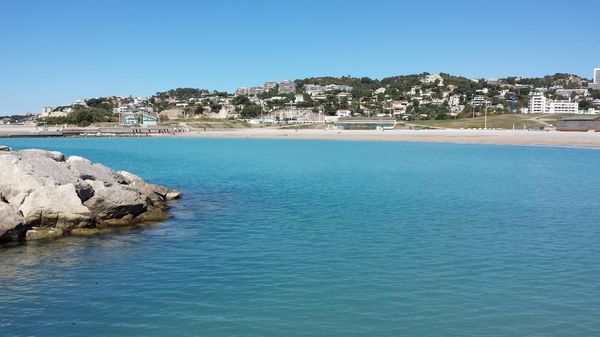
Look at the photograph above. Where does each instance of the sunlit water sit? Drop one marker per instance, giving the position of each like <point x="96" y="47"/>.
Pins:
<point x="322" y="238"/>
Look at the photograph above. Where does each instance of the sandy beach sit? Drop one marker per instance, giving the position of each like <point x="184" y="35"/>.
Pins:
<point x="514" y="137"/>
<point x="461" y="136"/>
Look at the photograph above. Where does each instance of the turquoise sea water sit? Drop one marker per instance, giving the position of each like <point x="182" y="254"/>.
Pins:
<point x="325" y="238"/>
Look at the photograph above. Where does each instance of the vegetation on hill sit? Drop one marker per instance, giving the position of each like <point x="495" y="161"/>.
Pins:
<point x="14" y="119"/>
<point x="83" y="116"/>
<point x="182" y="93"/>
<point x="568" y="81"/>
<point x="420" y="97"/>
<point x="103" y="103"/>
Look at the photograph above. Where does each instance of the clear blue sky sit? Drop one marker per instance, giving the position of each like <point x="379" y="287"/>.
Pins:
<point x="52" y="52"/>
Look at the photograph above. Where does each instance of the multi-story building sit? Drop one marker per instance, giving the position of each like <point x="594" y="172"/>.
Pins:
<point x="414" y="90"/>
<point x="398" y="107"/>
<point x="255" y="90"/>
<point x="479" y="100"/>
<point x="269" y="85"/>
<point x="46" y="111"/>
<point x="569" y="92"/>
<point x="287" y="87"/>
<point x="241" y="91"/>
<point x="539" y="104"/>
<point x="563" y="107"/>
<point x="313" y="89"/>
<point x="339" y="87"/>
<point x="454" y="100"/>
<point x="596" y="83"/>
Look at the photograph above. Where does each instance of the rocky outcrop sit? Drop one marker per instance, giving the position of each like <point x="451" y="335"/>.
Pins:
<point x="44" y="194"/>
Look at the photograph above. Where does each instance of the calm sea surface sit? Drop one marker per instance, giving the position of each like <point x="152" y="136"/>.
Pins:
<point x="325" y="238"/>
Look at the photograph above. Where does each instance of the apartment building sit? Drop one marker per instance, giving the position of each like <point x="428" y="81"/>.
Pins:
<point x="540" y="104"/>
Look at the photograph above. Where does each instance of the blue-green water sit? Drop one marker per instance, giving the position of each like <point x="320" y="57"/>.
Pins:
<point x="319" y="238"/>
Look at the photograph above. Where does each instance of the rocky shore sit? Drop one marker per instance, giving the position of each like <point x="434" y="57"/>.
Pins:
<point x="44" y="194"/>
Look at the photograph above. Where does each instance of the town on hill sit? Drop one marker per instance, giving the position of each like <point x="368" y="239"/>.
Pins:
<point x="420" y="97"/>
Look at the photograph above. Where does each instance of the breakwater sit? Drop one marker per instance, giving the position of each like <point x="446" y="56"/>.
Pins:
<point x="92" y="132"/>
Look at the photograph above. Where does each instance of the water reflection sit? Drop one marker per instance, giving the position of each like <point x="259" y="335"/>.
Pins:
<point x="27" y="263"/>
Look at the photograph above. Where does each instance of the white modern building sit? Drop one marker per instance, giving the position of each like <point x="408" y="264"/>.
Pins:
<point x="596" y="83"/>
<point x="563" y="107"/>
<point x="454" y="100"/>
<point x="313" y="89"/>
<point x="540" y="104"/>
<point x="343" y="113"/>
<point x="338" y="87"/>
<point x="47" y="110"/>
<point x="570" y="92"/>
<point x="537" y="104"/>
<point x="479" y="100"/>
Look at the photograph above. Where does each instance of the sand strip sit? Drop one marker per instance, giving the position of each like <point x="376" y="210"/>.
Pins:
<point x="515" y="137"/>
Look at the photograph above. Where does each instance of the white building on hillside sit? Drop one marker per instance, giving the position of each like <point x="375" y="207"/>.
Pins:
<point x="597" y="75"/>
<point x="563" y="107"/>
<point x="454" y="100"/>
<point x="431" y="78"/>
<point x="269" y="85"/>
<point x="313" y="89"/>
<point x="539" y="104"/>
<point x="287" y="87"/>
<point x="569" y="92"/>
<point x="596" y="83"/>
<point x="255" y="90"/>
<point x="46" y="111"/>
<point x="479" y="100"/>
<point x="343" y="113"/>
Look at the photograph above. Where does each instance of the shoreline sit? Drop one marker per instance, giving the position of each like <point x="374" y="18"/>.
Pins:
<point x="453" y="136"/>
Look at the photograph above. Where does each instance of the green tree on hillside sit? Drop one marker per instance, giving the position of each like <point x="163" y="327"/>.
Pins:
<point x="240" y="99"/>
<point x="251" y="110"/>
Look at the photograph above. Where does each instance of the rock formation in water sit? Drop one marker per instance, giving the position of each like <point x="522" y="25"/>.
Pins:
<point x="44" y="194"/>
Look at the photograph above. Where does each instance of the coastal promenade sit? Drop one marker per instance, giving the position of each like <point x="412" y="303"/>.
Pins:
<point x="512" y="137"/>
<point x="24" y="131"/>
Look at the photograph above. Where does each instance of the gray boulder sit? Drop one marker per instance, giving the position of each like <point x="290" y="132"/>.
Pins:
<point x="59" y="195"/>
<point x="115" y="201"/>
<point x="54" y="155"/>
<point x="12" y="223"/>
<point x="55" y="206"/>
<point x="20" y="174"/>
<point x="86" y="170"/>
<point x="157" y="194"/>
<point x="15" y="181"/>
